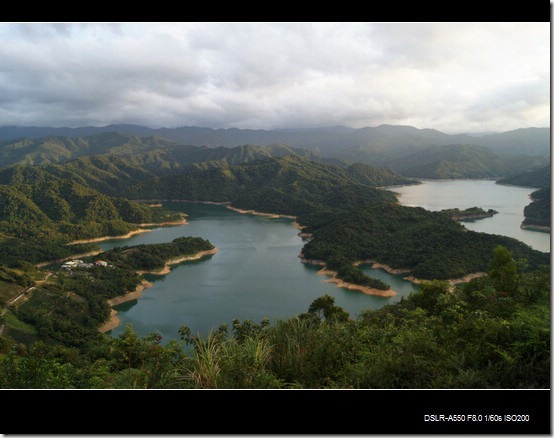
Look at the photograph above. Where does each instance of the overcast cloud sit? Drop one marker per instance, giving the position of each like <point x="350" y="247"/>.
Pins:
<point x="454" y="77"/>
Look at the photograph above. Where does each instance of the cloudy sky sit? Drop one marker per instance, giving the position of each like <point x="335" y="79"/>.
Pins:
<point x="454" y="77"/>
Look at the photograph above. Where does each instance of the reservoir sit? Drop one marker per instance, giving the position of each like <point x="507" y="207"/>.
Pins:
<point x="509" y="201"/>
<point x="257" y="273"/>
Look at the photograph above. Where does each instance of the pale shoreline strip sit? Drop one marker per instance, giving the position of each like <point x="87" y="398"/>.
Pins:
<point x="395" y="271"/>
<point x="351" y="286"/>
<point x="114" y="320"/>
<point x="376" y="265"/>
<point x="179" y="222"/>
<point x="103" y="238"/>
<point x="258" y="213"/>
<point x="186" y="200"/>
<point x="167" y="268"/>
<point x="132" y="233"/>
<point x="452" y="281"/>
<point x="538" y="228"/>
<point x="100" y="239"/>
<point x="345" y="285"/>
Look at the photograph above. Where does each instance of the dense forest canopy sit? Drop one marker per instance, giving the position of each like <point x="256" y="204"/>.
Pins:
<point x="430" y="244"/>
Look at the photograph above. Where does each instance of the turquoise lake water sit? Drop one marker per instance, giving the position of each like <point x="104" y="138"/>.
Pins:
<point x="257" y="273"/>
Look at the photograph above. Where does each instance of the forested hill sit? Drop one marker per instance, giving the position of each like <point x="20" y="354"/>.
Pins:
<point x="538" y="212"/>
<point x="409" y="151"/>
<point x="328" y="141"/>
<point x="56" y="149"/>
<point x="493" y="332"/>
<point x="429" y="244"/>
<point x="154" y="152"/>
<point x="89" y="197"/>
<point x="462" y="161"/>
<point x="119" y="168"/>
<point x="286" y="185"/>
<point x="349" y="220"/>
<point x="531" y="178"/>
<point x="35" y="203"/>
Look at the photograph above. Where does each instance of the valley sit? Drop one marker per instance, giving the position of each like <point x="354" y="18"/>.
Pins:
<point x="63" y="196"/>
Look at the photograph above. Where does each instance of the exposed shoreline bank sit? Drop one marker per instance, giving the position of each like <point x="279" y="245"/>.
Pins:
<point x="351" y="286"/>
<point x="114" y="321"/>
<point x="258" y="213"/>
<point x="132" y="233"/>
<point x="538" y="228"/>
<point x="167" y="268"/>
<point x="103" y="238"/>
<point x="394" y="271"/>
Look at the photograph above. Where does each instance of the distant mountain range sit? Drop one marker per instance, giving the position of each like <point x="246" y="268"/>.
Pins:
<point x="336" y="141"/>
<point x="411" y="152"/>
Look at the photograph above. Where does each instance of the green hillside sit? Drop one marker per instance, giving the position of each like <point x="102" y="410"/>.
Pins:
<point x="112" y="173"/>
<point x="462" y="161"/>
<point x="56" y="149"/>
<point x="538" y="213"/>
<point x="43" y="209"/>
<point x="304" y="179"/>
<point x="539" y="178"/>
<point x="429" y="244"/>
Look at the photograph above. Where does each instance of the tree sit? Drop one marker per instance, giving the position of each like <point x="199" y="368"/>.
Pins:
<point x="503" y="270"/>
<point x="324" y="307"/>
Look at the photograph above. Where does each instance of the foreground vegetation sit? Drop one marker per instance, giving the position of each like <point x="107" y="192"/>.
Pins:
<point x="492" y="332"/>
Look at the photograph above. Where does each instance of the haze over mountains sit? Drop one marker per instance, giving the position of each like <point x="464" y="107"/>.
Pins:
<point x="326" y="140"/>
<point x="409" y="151"/>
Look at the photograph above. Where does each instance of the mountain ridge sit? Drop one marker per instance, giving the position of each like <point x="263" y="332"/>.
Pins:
<point x="535" y="139"/>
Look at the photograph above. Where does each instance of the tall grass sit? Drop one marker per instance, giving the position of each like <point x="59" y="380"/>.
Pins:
<point x="203" y="368"/>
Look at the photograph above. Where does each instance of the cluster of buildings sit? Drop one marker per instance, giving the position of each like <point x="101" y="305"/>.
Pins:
<point x="71" y="264"/>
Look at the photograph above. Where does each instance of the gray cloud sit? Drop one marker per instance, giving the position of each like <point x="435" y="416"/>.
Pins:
<point x="455" y="77"/>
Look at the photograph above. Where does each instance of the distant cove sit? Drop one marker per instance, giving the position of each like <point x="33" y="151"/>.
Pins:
<point x="257" y="274"/>
<point x="509" y="201"/>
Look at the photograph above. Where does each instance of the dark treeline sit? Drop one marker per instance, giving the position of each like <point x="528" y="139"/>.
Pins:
<point x="538" y="212"/>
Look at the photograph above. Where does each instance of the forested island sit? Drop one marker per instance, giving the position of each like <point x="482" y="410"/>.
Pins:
<point x="487" y="332"/>
<point x="469" y="214"/>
